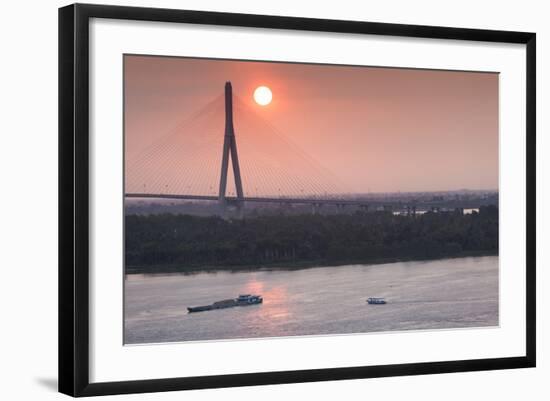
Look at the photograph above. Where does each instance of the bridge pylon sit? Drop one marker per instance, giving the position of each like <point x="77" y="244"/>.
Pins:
<point x="230" y="149"/>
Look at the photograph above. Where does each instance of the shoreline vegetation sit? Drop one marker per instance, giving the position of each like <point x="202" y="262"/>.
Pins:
<point x="171" y="243"/>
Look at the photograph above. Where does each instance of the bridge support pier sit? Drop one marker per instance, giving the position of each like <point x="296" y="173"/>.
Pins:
<point x="240" y="210"/>
<point x="233" y="208"/>
<point x="222" y="204"/>
<point x="340" y="208"/>
<point x="316" y="208"/>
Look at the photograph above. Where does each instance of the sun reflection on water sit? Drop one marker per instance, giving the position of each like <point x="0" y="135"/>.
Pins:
<point x="274" y="309"/>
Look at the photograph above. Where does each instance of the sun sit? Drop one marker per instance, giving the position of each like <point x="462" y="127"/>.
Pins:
<point x="263" y="95"/>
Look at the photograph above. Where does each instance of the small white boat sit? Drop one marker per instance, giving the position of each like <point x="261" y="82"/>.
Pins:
<point x="376" y="301"/>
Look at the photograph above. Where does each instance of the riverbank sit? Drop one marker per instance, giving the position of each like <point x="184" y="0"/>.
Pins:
<point x="163" y="269"/>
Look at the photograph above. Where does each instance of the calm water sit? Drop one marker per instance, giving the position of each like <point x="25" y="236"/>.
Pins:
<point x="448" y="293"/>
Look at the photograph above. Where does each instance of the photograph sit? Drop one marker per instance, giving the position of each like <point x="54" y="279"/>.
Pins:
<point x="278" y="199"/>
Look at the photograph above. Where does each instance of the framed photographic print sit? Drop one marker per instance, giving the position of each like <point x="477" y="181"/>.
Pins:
<point x="249" y="199"/>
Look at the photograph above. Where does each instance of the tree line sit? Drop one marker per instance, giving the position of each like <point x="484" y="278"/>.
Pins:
<point x="184" y="242"/>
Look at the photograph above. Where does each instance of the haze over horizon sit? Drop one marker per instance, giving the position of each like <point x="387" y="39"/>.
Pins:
<point x="374" y="129"/>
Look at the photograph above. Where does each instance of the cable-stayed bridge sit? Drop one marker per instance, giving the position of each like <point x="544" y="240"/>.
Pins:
<point x="192" y="162"/>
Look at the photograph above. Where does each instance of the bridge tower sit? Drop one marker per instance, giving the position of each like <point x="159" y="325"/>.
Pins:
<point x="230" y="148"/>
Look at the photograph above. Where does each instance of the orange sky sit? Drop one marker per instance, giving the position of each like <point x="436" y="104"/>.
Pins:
<point x="374" y="129"/>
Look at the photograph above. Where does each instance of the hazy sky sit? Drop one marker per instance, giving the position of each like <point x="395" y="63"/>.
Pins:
<point x="374" y="129"/>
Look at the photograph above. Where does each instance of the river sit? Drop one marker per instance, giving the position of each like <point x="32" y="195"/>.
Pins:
<point x="437" y="294"/>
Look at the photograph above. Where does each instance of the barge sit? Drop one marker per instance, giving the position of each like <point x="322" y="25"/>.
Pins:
<point x="241" y="300"/>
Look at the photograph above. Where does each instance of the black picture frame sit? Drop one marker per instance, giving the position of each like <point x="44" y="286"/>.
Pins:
<point x="74" y="198"/>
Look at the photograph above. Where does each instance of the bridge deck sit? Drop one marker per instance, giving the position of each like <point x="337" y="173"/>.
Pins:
<point x="287" y="200"/>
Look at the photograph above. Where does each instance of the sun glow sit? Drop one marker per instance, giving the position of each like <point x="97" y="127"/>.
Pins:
<point x="263" y="95"/>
